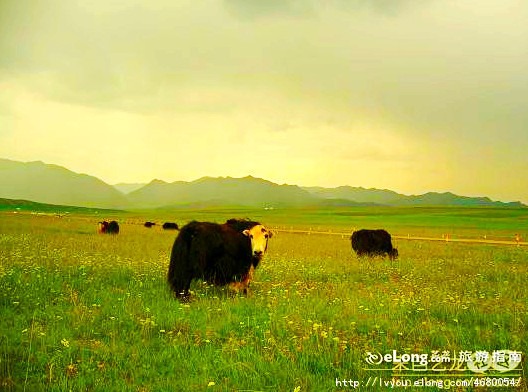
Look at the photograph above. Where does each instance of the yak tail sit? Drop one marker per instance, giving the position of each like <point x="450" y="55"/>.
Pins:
<point x="179" y="275"/>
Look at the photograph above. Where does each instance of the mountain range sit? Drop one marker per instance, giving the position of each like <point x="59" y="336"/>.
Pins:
<point x="52" y="184"/>
<point x="47" y="183"/>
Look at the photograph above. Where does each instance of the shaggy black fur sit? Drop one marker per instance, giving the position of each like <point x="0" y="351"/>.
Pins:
<point x="373" y="243"/>
<point x="111" y="227"/>
<point x="217" y="253"/>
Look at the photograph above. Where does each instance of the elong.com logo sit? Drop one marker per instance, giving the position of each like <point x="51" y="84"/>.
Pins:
<point x="394" y="357"/>
<point x="476" y="361"/>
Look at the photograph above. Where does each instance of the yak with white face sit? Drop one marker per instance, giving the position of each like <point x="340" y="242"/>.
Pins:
<point x="258" y="236"/>
<point x="221" y="254"/>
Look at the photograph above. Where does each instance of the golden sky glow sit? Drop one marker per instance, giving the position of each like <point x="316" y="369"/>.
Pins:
<point x="405" y="95"/>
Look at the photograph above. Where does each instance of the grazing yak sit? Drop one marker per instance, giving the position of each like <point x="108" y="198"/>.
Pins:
<point x="373" y="243"/>
<point x="111" y="227"/>
<point x="242" y="225"/>
<point x="170" y="226"/>
<point x="149" y="224"/>
<point x="220" y="254"/>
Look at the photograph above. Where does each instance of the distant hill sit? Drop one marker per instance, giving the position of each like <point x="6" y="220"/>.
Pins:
<point x="246" y="191"/>
<point x="450" y="199"/>
<point x="44" y="183"/>
<point x="126" y="188"/>
<point x="26" y="205"/>
<point x="52" y="184"/>
<point x="391" y="198"/>
<point x="357" y="194"/>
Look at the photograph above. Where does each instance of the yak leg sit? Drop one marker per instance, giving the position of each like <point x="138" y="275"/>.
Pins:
<point x="243" y="285"/>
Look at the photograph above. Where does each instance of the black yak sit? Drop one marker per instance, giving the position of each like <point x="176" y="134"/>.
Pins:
<point x="241" y="225"/>
<point x="149" y="224"/>
<point x="373" y="243"/>
<point x="220" y="254"/>
<point x="111" y="227"/>
<point x="103" y="226"/>
<point x="170" y="226"/>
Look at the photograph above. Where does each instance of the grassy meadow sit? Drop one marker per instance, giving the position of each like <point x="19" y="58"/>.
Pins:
<point x="82" y="311"/>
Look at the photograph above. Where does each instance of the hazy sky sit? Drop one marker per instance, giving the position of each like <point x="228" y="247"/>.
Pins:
<point x="413" y="96"/>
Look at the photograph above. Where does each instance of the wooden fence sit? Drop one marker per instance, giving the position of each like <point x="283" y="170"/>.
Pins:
<point x="445" y="238"/>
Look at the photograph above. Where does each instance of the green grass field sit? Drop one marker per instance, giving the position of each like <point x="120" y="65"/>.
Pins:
<point x="87" y="312"/>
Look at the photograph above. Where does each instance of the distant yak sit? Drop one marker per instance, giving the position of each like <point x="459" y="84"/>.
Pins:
<point x="111" y="227"/>
<point x="220" y="254"/>
<point x="373" y="243"/>
<point x="149" y="224"/>
<point x="170" y="226"/>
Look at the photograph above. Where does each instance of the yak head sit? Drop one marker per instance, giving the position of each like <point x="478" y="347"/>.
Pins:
<point x="258" y="236"/>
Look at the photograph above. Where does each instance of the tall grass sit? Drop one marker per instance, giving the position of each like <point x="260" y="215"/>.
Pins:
<point x="82" y="311"/>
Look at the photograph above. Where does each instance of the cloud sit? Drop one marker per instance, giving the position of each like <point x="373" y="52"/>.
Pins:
<point x="254" y="9"/>
<point x="388" y="82"/>
<point x="106" y="57"/>
<point x="415" y="68"/>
